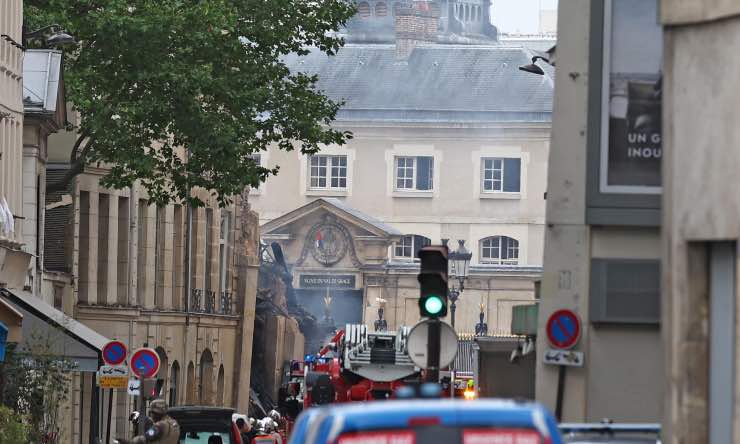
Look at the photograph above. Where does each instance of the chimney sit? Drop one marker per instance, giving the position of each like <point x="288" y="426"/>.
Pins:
<point x="416" y="22"/>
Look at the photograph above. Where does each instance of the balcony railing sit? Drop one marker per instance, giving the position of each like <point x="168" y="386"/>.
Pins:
<point x="206" y="302"/>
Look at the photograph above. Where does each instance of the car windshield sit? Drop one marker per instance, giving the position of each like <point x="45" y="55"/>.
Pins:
<point x="205" y="437"/>
<point x="444" y="434"/>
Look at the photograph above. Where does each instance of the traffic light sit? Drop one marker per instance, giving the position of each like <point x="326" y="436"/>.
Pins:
<point x="150" y="388"/>
<point x="433" y="281"/>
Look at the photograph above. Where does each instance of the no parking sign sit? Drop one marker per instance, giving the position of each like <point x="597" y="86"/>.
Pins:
<point x="145" y="363"/>
<point x="563" y="329"/>
<point x="114" y="353"/>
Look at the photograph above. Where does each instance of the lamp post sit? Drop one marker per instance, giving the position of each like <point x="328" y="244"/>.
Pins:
<point x="460" y="264"/>
<point x="381" y="324"/>
<point x="56" y="36"/>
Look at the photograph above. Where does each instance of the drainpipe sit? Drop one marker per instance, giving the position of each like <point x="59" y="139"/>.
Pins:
<point x="188" y="278"/>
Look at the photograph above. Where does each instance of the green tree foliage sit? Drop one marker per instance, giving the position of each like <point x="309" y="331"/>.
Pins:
<point x="151" y="76"/>
<point x="13" y="428"/>
<point x="34" y="383"/>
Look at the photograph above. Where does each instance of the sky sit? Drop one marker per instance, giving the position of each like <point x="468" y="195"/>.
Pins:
<point x="519" y="15"/>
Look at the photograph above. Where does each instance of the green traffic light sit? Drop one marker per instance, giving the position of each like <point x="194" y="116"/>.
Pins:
<point x="433" y="305"/>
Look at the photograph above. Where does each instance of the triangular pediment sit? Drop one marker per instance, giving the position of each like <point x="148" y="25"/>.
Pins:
<point x="359" y="223"/>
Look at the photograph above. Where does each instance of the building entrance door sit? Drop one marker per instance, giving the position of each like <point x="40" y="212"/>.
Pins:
<point x="344" y="306"/>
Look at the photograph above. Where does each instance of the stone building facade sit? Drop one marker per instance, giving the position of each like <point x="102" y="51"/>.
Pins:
<point x="700" y="222"/>
<point x="12" y="258"/>
<point x="450" y="141"/>
<point x="126" y="262"/>
<point x="602" y="237"/>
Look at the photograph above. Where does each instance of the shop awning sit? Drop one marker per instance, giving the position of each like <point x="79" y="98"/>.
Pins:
<point x="51" y="331"/>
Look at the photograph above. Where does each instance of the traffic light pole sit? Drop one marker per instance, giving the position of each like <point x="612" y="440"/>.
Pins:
<point x="433" y="346"/>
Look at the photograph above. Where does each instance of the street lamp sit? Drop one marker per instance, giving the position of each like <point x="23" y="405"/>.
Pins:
<point x="57" y="38"/>
<point x="381" y="324"/>
<point x="460" y="264"/>
<point x="532" y="67"/>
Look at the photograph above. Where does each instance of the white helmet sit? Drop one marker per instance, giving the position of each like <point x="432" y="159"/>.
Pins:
<point x="274" y="415"/>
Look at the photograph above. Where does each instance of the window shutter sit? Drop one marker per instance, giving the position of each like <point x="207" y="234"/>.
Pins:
<point x="424" y="174"/>
<point x="512" y="169"/>
<point x="625" y="291"/>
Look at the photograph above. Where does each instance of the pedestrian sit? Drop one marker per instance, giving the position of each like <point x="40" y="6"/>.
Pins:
<point x="135" y="417"/>
<point x="164" y="429"/>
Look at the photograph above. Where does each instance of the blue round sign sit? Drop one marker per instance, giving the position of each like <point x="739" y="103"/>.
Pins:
<point x="563" y="329"/>
<point x="145" y="363"/>
<point x="114" y="353"/>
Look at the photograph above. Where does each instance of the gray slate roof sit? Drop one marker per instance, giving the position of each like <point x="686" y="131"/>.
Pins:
<point x="377" y="223"/>
<point x="437" y="82"/>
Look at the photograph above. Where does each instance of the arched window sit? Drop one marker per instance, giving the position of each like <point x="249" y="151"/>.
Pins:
<point x="467" y="13"/>
<point x="363" y="10"/>
<point x="163" y="368"/>
<point x="190" y="393"/>
<point x="220" y="386"/>
<point x="501" y="250"/>
<point x="381" y="9"/>
<point x="408" y="246"/>
<point x="174" y="380"/>
<point x="205" y="378"/>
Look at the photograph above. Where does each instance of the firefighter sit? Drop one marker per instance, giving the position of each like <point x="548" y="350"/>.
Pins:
<point x="264" y="436"/>
<point x="165" y="430"/>
<point x="278" y="425"/>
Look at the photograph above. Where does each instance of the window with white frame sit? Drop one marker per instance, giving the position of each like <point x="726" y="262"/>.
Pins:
<point x="499" y="250"/>
<point x="501" y="175"/>
<point x="328" y="172"/>
<point x="414" y="173"/>
<point x="408" y="246"/>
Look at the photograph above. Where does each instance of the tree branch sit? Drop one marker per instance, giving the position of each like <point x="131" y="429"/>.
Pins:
<point x="73" y="155"/>
<point x="77" y="166"/>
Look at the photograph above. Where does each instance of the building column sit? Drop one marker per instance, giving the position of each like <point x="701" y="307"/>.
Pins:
<point x="88" y="256"/>
<point x="150" y="251"/>
<point x="167" y="239"/>
<point x="111" y="296"/>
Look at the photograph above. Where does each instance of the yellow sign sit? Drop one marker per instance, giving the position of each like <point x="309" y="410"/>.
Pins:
<point x="114" y="382"/>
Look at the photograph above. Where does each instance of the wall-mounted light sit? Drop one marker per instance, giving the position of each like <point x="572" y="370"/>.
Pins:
<point x="55" y="35"/>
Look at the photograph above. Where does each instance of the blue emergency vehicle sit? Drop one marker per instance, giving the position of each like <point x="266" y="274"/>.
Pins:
<point x="427" y="421"/>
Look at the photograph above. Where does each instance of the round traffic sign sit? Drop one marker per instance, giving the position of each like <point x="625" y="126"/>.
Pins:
<point x="144" y="363"/>
<point x="416" y="343"/>
<point x="563" y="329"/>
<point x="114" y="353"/>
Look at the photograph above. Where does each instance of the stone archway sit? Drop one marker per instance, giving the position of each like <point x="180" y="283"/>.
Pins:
<point x="220" y="386"/>
<point x="164" y="368"/>
<point x="190" y="389"/>
<point x="205" y="378"/>
<point x="174" y="383"/>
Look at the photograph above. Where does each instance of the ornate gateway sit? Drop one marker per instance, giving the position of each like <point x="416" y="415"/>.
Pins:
<point x="328" y="242"/>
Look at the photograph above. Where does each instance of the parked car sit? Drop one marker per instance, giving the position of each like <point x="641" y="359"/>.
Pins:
<point x="444" y="421"/>
<point x="206" y="425"/>
<point x="611" y="433"/>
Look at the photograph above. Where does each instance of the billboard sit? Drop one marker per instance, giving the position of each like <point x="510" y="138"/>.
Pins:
<point x="631" y="132"/>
